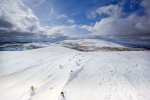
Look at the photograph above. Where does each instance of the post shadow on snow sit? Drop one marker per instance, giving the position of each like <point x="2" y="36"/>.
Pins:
<point x="32" y="92"/>
<point x="62" y="98"/>
<point x="60" y="66"/>
<point x="74" y="74"/>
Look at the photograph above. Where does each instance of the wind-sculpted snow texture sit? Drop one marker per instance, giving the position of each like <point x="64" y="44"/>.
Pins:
<point x="120" y="75"/>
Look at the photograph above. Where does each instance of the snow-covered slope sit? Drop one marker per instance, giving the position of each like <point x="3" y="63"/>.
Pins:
<point x="122" y="75"/>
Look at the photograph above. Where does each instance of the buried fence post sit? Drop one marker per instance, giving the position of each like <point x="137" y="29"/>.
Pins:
<point x="32" y="93"/>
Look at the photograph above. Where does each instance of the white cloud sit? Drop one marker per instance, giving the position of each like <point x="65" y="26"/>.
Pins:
<point x="145" y="4"/>
<point x="18" y="15"/>
<point x="61" y="16"/>
<point x="111" y="10"/>
<point x="117" y="25"/>
<point x="70" y="21"/>
<point x="66" y="30"/>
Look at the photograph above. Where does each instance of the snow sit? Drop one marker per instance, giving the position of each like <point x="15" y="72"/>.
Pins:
<point x="120" y="75"/>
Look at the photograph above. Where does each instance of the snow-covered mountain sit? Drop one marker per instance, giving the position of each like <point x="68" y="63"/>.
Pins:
<point x="96" y="45"/>
<point x="22" y="46"/>
<point x="42" y="74"/>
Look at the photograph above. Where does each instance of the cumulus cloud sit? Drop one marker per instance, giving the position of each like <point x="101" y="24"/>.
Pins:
<point x="111" y="10"/>
<point x="116" y="24"/>
<point x="17" y="16"/>
<point x="17" y="22"/>
<point x="70" y="21"/>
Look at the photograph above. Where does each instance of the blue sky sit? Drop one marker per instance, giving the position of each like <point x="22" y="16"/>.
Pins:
<point x="78" y="10"/>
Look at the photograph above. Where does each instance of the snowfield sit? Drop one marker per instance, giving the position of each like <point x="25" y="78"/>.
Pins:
<point x="117" y="75"/>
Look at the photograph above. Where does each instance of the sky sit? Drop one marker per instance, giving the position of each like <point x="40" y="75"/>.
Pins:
<point x="74" y="18"/>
